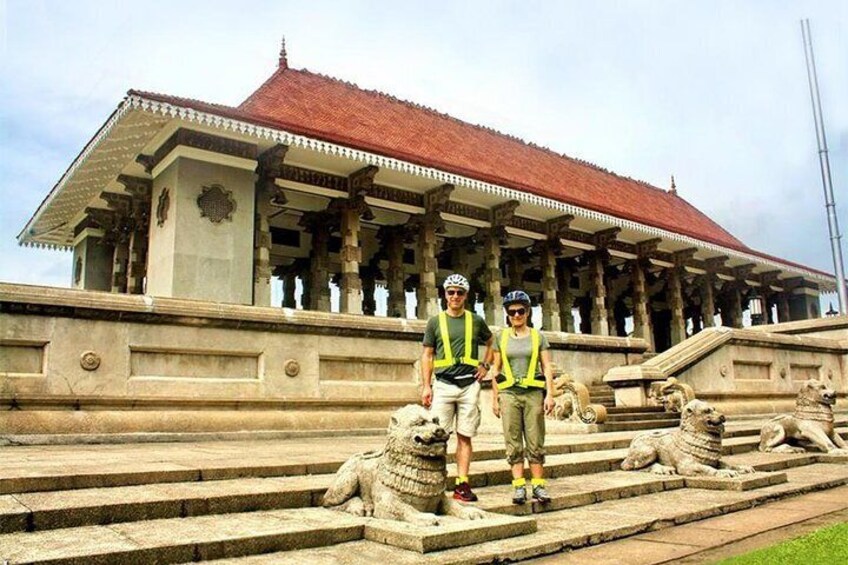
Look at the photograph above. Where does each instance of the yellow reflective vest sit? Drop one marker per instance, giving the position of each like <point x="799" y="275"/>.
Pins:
<point x="506" y="379"/>
<point x="449" y="358"/>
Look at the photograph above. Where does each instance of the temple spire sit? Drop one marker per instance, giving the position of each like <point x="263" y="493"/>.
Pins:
<point x="283" y="62"/>
<point x="673" y="188"/>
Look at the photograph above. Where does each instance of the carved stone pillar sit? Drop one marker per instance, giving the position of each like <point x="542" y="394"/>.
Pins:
<point x="783" y="312"/>
<point x="565" y="295"/>
<point x="369" y="286"/>
<point x="120" y="261"/>
<point x="598" y="293"/>
<point x="267" y="196"/>
<point x="707" y="301"/>
<point x="675" y="299"/>
<point x="139" y="190"/>
<point x="641" y="306"/>
<point x="351" y="254"/>
<point x="427" y="294"/>
<point x="515" y="269"/>
<point x="320" y="225"/>
<point x="429" y="225"/>
<point x="584" y="304"/>
<point x="550" y="307"/>
<point x="289" y="287"/>
<point x="392" y="239"/>
<point x="491" y="240"/>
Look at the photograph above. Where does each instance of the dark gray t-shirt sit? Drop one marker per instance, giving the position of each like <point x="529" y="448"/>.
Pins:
<point x="518" y="351"/>
<point x="461" y="374"/>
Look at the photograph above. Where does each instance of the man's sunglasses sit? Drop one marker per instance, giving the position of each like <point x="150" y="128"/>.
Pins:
<point x="457" y="292"/>
<point x="513" y="312"/>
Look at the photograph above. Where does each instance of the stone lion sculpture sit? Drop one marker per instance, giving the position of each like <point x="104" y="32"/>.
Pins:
<point x="811" y="425"/>
<point x="693" y="449"/>
<point x="406" y="480"/>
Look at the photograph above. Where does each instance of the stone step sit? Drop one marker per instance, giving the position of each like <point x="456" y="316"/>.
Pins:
<point x="630" y="416"/>
<point x="179" y="540"/>
<point x="572" y="528"/>
<point x="634" y="409"/>
<point x="633" y="425"/>
<point x="196" y="538"/>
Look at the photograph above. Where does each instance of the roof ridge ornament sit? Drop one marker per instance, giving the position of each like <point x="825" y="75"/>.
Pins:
<point x="673" y="189"/>
<point x="283" y="61"/>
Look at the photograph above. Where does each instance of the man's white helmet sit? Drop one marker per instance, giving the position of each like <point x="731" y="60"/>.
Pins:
<point x="457" y="281"/>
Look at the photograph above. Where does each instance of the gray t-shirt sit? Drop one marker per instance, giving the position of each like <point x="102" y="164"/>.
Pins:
<point x="460" y="375"/>
<point x="518" y="351"/>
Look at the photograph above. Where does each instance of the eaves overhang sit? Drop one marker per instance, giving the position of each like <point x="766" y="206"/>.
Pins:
<point x="138" y="118"/>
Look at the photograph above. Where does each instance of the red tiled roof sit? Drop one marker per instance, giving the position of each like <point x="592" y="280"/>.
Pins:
<point x="322" y="107"/>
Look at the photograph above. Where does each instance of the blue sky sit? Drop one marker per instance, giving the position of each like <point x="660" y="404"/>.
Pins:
<point x="714" y="93"/>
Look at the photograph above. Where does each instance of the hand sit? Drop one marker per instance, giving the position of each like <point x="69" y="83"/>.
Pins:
<point x="427" y="396"/>
<point x="496" y="407"/>
<point x="549" y="404"/>
<point x="481" y="373"/>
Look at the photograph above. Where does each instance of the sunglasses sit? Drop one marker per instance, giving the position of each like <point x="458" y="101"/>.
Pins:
<point x="513" y="312"/>
<point x="455" y="292"/>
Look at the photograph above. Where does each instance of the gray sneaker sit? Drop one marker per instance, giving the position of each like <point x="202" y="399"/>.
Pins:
<point x="520" y="495"/>
<point x="541" y="495"/>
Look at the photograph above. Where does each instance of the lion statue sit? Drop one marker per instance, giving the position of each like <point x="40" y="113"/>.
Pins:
<point x="810" y="426"/>
<point x="693" y="449"/>
<point x="406" y="480"/>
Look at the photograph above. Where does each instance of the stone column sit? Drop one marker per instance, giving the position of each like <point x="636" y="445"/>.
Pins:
<point x="515" y="267"/>
<point x="641" y="307"/>
<point x="550" y="307"/>
<point x="491" y="239"/>
<point x="289" y="287"/>
<point x="140" y="190"/>
<point x="120" y="260"/>
<point x="427" y="294"/>
<point x="369" y="286"/>
<point x="320" y="225"/>
<point x="707" y="301"/>
<point x="393" y="238"/>
<point x="675" y="296"/>
<point x="566" y="296"/>
<point x="783" y="312"/>
<point x="733" y="305"/>
<point x="351" y="255"/>
<point x="267" y="195"/>
<point x="598" y="293"/>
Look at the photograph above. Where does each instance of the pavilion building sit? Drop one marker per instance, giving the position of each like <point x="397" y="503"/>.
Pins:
<point x="314" y="179"/>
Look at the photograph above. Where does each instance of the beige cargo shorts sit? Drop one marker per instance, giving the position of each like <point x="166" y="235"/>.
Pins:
<point x="461" y="404"/>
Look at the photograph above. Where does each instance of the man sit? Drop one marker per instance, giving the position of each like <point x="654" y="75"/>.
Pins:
<point x="451" y="350"/>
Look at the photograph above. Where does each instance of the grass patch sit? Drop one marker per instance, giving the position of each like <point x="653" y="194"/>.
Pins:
<point x="827" y="546"/>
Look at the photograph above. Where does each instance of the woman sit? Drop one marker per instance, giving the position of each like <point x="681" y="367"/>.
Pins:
<point x="523" y="395"/>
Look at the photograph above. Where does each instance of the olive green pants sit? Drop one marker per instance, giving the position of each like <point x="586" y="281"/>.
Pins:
<point x="523" y="419"/>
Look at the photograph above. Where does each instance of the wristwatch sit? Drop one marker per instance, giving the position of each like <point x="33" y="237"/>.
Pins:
<point x="486" y="366"/>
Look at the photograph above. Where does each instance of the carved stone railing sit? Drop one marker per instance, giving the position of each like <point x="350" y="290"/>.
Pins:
<point x="743" y="369"/>
<point x="571" y="403"/>
<point x="672" y="395"/>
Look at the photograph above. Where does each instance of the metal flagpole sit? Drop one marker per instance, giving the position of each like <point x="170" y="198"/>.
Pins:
<point x="824" y="165"/>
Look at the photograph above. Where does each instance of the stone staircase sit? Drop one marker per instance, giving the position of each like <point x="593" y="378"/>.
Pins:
<point x="258" y="501"/>
<point x="621" y="418"/>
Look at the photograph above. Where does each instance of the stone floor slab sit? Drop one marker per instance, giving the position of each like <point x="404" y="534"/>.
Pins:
<point x="449" y="533"/>
<point x="742" y="482"/>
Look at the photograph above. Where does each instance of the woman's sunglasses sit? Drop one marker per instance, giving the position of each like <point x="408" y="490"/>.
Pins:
<point x="513" y="312"/>
<point x="455" y="292"/>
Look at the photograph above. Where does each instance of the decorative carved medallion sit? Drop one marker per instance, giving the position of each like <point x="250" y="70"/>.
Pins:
<point x="216" y="203"/>
<point x="90" y="361"/>
<point x="292" y="368"/>
<point x="162" y="207"/>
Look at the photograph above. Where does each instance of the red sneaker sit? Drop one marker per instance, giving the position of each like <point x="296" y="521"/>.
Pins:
<point x="463" y="492"/>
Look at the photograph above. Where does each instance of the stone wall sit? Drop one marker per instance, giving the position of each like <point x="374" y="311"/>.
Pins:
<point x="68" y="348"/>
